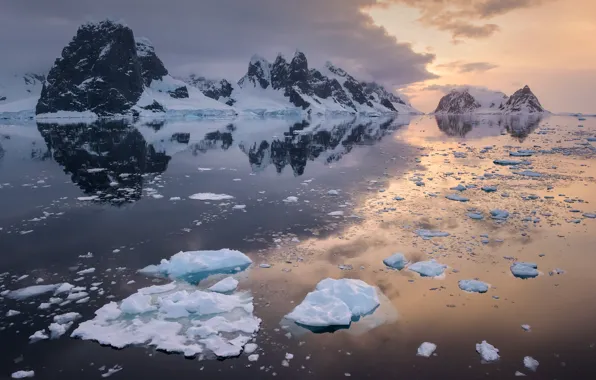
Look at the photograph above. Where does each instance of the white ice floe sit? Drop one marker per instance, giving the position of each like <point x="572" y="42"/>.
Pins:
<point x="531" y="363"/>
<point x="22" y="374"/>
<point x="333" y="192"/>
<point x="38" y="335"/>
<point x="426" y="349"/>
<point x="31" y="291"/>
<point x="86" y="271"/>
<point x="335" y="303"/>
<point x="63" y="288"/>
<point x="12" y="313"/>
<point x="253" y="357"/>
<point x="58" y="329"/>
<point x="473" y="286"/>
<point x="487" y="351"/>
<point x="67" y="317"/>
<point x="524" y="270"/>
<point x="396" y="261"/>
<point x="182" y="320"/>
<point x="475" y="215"/>
<point x="336" y="213"/>
<point x="499" y="214"/>
<point x="199" y="264"/>
<point x="457" y="197"/>
<point x="112" y="371"/>
<point x="250" y="348"/>
<point x="226" y="285"/>
<point x="429" y="268"/>
<point x="518" y="374"/>
<point x="210" y="197"/>
<point x="526" y="328"/>
<point x="291" y="200"/>
<point x="429" y="234"/>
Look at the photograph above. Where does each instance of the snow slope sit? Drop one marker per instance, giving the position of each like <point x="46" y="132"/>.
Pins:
<point x="19" y="95"/>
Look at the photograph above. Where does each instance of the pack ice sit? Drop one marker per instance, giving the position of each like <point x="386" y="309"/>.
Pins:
<point x="194" y="266"/>
<point x="336" y="303"/>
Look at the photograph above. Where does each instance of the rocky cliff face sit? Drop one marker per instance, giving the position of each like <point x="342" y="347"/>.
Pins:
<point x="220" y="90"/>
<point x="152" y="68"/>
<point x="457" y="102"/>
<point x="99" y="71"/>
<point x="523" y="101"/>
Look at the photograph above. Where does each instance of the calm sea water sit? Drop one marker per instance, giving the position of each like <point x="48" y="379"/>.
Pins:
<point x="121" y="191"/>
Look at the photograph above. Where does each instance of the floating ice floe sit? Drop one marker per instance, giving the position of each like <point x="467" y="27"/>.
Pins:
<point x="499" y="214"/>
<point x="528" y="173"/>
<point x="526" y="328"/>
<point x="398" y="198"/>
<point x="38" y="335"/>
<point x="459" y="187"/>
<point x="473" y="286"/>
<point x="335" y="303"/>
<point x="12" y="313"/>
<point x="32" y="291"/>
<point x="396" y="261"/>
<point x="457" y="197"/>
<point x="226" y="285"/>
<point x="489" y="189"/>
<point x="487" y="351"/>
<point x="291" y="200"/>
<point x="182" y="320"/>
<point x="429" y="234"/>
<point x="522" y="153"/>
<point x="524" y="270"/>
<point x="429" y="268"/>
<point x="531" y="363"/>
<point x="589" y="215"/>
<point x="336" y="213"/>
<point x="426" y="349"/>
<point x="194" y="266"/>
<point x="210" y="197"/>
<point x="333" y="192"/>
<point x="22" y="374"/>
<point x="508" y="162"/>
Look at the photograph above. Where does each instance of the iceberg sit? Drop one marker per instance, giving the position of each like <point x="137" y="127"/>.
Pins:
<point x="194" y="266"/>
<point x="335" y="303"/>
<point x="426" y="349"/>
<point x="428" y="268"/>
<point x="473" y="286"/>
<point x="396" y="261"/>
<point x="524" y="270"/>
<point x="228" y="284"/>
<point x="487" y="351"/>
<point x="180" y="320"/>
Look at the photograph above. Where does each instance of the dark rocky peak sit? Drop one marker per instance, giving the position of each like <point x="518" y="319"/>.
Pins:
<point x="220" y="90"/>
<point x="98" y="71"/>
<point x="280" y="73"/>
<point x="523" y="101"/>
<point x="375" y="88"/>
<point x="456" y="102"/>
<point x="299" y="68"/>
<point x="258" y="75"/>
<point x="353" y="86"/>
<point x="152" y="67"/>
<point x="335" y="70"/>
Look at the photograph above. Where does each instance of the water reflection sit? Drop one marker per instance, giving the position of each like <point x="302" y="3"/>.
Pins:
<point x="518" y="126"/>
<point x="110" y="159"/>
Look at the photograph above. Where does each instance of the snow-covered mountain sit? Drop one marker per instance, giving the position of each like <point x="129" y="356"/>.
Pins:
<point x="292" y="88"/>
<point x="19" y="95"/>
<point x="474" y="100"/>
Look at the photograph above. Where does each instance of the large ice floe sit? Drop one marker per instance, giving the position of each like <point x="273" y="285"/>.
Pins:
<point x="179" y="317"/>
<point x="524" y="270"/>
<point x="429" y="268"/>
<point x="335" y="303"/>
<point x="193" y="266"/>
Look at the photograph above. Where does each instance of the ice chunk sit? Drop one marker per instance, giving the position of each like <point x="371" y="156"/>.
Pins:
<point x="531" y="363"/>
<point x="457" y="197"/>
<point x="210" y="197"/>
<point x="112" y="371"/>
<point x="528" y="173"/>
<point x="475" y="215"/>
<point x="86" y="271"/>
<point x="428" y="234"/>
<point x="38" y="335"/>
<point x="253" y="357"/>
<point x="526" y="328"/>
<point x="518" y="374"/>
<point x="335" y="303"/>
<point x="291" y="200"/>
<point x="333" y="192"/>
<point x="473" y="286"/>
<point x="508" y="162"/>
<point x="197" y="265"/>
<point x="31" y="291"/>
<point x="336" y="213"/>
<point x="58" y="329"/>
<point x="489" y="189"/>
<point x="12" y="313"/>
<point x="63" y="288"/>
<point x="65" y="318"/>
<point x="396" y="261"/>
<point x="22" y="374"/>
<point x="428" y="268"/>
<point x="522" y="153"/>
<point x="524" y="270"/>
<point x="181" y="320"/>
<point x="487" y="351"/>
<point x="250" y="348"/>
<point x="459" y="187"/>
<point x="499" y="214"/>
<point x="426" y="349"/>
<point x="226" y="285"/>
<point x="137" y="303"/>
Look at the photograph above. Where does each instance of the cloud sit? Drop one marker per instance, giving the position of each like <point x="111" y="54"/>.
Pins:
<point x="467" y="67"/>
<point x="218" y="37"/>
<point x="460" y="17"/>
<point x="447" y="88"/>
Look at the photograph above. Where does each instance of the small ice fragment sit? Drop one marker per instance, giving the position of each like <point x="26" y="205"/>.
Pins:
<point x="38" y="335"/>
<point x="239" y="207"/>
<point x="473" y="286"/>
<point x="457" y="197"/>
<point x="526" y="327"/>
<point x="429" y="268"/>
<point x="31" y="291"/>
<point x="426" y="349"/>
<point x="112" y="371"/>
<point x="518" y="374"/>
<point x="524" y="270"/>
<point x="396" y="261"/>
<point x="253" y="357"/>
<point x="22" y="374"/>
<point x="265" y="265"/>
<point x="12" y="313"/>
<point x="210" y="197"/>
<point x="58" y="329"/>
<point x="63" y="288"/>
<point x="89" y="198"/>
<point x="475" y="215"/>
<point x="499" y="214"/>
<point x="86" y="271"/>
<point x="427" y="234"/>
<point x="336" y="213"/>
<point x="333" y="192"/>
<point x="289" y="356"/>
<point x="88" y="255"/>
<point x="489" y="189"/>
<point x="531" y="363"/>
<point x="65" y="318"/>
<point x="226" y="285"/>
<point x="487" y="351"/>
<point x="291" y="200"/>
<point x="250" y="348"/>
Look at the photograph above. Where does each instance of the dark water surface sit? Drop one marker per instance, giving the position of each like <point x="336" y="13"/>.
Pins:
<point x="107" y="188"/>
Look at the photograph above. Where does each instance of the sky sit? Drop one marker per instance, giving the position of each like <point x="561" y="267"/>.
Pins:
<point x="422" y="48"/>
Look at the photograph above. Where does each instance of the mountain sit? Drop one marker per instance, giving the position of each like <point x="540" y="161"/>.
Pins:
<point x="468" y="100"/>
<point x="291" y="87"/>
<point x="523" y="101"/>
<point x="19" y="95"/>
<point x="105" y="71"/>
